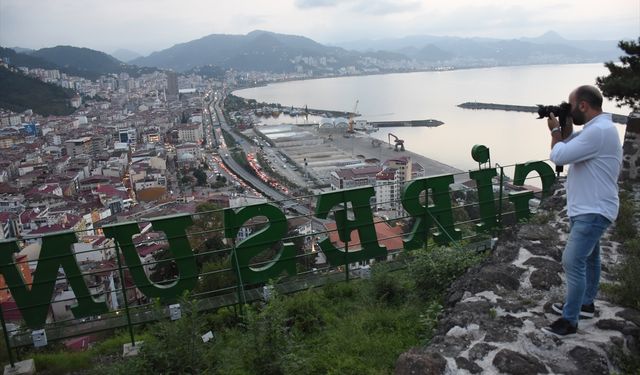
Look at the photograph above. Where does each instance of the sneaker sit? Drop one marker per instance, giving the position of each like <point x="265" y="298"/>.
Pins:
<point x="560" y="328"/>
<point x="586" y="311"/>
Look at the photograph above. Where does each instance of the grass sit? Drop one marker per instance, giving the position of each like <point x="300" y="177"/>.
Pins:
<point x="341" y="328"/>
<point x="62" y="362"/>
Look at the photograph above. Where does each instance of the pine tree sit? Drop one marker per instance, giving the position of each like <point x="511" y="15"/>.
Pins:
<point x="623" y="82"/>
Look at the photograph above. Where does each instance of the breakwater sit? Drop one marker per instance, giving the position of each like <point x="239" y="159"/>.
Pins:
<point x="410" y="123"/>
<point x="620" y="119"/>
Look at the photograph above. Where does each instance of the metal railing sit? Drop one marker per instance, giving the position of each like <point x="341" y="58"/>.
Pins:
<point x="219" y="281"/>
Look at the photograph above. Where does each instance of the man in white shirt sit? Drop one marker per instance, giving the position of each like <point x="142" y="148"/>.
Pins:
<point x="595" y="157"/>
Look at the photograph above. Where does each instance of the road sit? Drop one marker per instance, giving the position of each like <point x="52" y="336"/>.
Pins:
<point x="283" y="200"/>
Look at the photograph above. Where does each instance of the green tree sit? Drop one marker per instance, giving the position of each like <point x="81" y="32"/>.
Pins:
<point x="623" y="82"/>
<point x="216" y="275"/>
<point x="201" y="177"/>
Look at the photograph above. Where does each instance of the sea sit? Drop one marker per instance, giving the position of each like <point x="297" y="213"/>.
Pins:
<point x="512" y="137"/>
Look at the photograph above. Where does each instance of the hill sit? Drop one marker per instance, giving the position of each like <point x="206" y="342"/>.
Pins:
<point x="258" y="50"/>
<point x="21" y="59"/>
<point x="280" y="53"/>
<point x="19" y="92"/>
<point x="85" y="62"/>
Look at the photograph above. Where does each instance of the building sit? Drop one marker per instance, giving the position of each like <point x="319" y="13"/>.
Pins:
<point x="127" y="135"/>
<point x="390" y="181"/>
<point x="190" y="133"/>
<point x="79" y="146"/>
<point x="172" y="84"/>
<point x="353" y="177"/>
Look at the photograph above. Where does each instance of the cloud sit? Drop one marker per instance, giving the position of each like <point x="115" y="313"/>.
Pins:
<point x="385" y="7"/>
<point x="308" y="4"/>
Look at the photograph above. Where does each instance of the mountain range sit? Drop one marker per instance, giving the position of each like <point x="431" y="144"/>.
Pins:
<point x="281" y="53"/>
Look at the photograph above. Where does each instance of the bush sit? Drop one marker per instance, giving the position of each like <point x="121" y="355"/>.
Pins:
<point x="305" y="312"/>
<point x="626" y="227"/>
<point x="435" y="269"/>
<point x="173" y="347"/>
<point x="626" y="291"/>
<point x="339" y="291"/>
<point x="388" y="287"/>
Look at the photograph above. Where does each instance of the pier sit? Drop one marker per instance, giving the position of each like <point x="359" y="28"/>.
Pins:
<point x="620" y="119"/>
<point x="410" y="123"/>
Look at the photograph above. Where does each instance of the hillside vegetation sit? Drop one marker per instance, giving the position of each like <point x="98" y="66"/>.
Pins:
<point x="19" y="92"/>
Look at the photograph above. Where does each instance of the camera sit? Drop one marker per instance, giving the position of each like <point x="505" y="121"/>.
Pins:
<point x="560" y="111"/>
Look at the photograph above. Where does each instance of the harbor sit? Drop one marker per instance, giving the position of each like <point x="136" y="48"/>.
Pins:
<point x="312" y="153"/>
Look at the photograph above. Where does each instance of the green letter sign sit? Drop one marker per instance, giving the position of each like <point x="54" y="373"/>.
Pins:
<point x="259" y="242"/>
<point x="363" y="223"/>
<point x="439" y="213"/>
<point x="174" y="228"/>
<point x="521" y="199"/>
<point x="34" y="302"/>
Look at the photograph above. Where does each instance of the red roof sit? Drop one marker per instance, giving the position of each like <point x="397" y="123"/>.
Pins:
<point x="388" y="236"/>
<point x="111" y="191"/>
<point x="4" y="216"/>
<point x="27" y="215"/>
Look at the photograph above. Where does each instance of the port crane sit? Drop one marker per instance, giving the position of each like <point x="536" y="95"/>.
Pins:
<point x="353" y="113"/>
<point x="399" y="143"/>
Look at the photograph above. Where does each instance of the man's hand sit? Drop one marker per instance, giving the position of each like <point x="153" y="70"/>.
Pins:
<point x="552" y="122"/>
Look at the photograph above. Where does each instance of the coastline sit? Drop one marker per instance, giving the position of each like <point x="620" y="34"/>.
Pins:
<point x="285" y="80"/>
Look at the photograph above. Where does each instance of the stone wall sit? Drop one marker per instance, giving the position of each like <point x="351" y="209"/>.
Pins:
<point x="494" y="313"/>
<point x="631" y="149"/>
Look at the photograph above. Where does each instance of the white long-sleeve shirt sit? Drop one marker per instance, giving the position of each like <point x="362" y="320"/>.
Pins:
<point x="595" y="158"/>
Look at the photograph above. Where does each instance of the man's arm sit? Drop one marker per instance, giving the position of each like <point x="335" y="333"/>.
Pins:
<point x="558" y="133"/>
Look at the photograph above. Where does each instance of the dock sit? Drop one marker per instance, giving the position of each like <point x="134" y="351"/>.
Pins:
<point x="410" y="123"/>
<point x="620" y="119"/>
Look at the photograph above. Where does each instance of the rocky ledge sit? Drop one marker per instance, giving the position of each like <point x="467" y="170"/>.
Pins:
<point x="494" y="313"/>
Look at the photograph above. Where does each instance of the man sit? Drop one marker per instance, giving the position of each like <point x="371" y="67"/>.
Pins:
<point x="595" y="157"/>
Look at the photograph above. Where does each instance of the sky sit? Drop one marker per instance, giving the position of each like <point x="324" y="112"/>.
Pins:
<point x="145" y="26"/>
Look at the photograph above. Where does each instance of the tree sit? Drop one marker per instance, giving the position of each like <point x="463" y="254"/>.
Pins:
<point x="623" y="82"/>
<point x="200" y="176"/>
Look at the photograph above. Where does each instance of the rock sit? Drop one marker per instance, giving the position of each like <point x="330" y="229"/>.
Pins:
<point x="450" y="346"/>
<point x="630" y="315"/>
<point x="544" y="279"/>
<point x="546" y="274"/>
<point x="510" y="320"/>
<point x="632" y="330"/>
<point x="479" y="351"/>
<point x="419" y="361"/>
<point x="512" y="307"/>
<point x="516" y="363"/>
<point x="496" y="334"/>
<point x="544" y="233"/>
<point x="588" y="361"/>
<point x="466" y="364"/>
<point x="547" y="248"/>
<point x="542" y="263"/>
<point x="507" y="252"/>
<point x="611" y="324"/>
<point x="488" y="278"/>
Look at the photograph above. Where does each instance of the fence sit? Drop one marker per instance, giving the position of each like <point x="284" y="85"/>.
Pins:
<point x="227" y="257"/>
